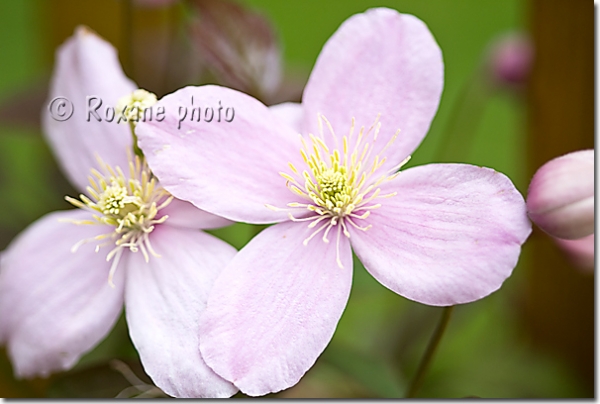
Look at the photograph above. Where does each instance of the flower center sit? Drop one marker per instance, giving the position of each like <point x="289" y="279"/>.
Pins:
<point x="338" y="186"/>
<point x="129" y="204"/>
<point x="332" y="188"/>
<point x="132" y="106"/>
<point x="112" y="200"/>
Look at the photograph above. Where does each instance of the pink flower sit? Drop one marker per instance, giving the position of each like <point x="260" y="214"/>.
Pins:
<point x="560" y="199"/>
<point x="438" y="234"/>
<point x="55" y="304"/>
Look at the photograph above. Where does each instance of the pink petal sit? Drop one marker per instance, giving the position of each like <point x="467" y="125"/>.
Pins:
<point x="230" y="169"/>
<point x="291" y="113"/>
<point x="55" y="305"/>
<point x="560" y="199"/>
<point x="581" y="251"/>
<point x="378" y="62"/>
<point x="164" y="299"/>
<point x="86" y="65"/>
<point x="275" y="308"/>
<point x="452" y="234"/>
<point x="184" y="214"/>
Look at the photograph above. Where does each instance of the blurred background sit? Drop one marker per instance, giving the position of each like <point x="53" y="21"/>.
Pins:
<point x="519" y="77"/>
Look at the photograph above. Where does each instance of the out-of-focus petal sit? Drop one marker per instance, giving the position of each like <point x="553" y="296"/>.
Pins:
<point x="560" y="199"/>
<point x="290" y="113"/>
<point x="238" y="44"/>
<point x="164" y="299"/>
<point x="229" y="168"/>
<point x="86" y="66"/>
<point x="55" y="305"/>
<point x="452" y="234"/>
<point x="378" y="62"/>
<point x="581" y="251"/>
<point x="275" y="308"/>
<point x="184" y="214"/>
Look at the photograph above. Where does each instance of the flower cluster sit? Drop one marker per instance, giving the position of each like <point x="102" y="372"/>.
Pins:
<point x="328" y="173"/>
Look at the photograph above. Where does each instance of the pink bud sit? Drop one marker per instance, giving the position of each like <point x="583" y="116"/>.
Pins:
<point x="238" y="45"/>
<point x="561" y="196"/>
<point x="581" y="251"/>
<point x="510" y="59"/>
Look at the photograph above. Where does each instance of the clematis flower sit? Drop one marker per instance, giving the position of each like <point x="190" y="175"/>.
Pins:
<point x="326" y="171"/>
<point x="60" y="295"/>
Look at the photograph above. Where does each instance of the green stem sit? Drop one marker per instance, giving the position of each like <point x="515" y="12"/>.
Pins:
<point x="136" y="150"/>
<point x="467" y="112"/>
<point x="431" y="348"/>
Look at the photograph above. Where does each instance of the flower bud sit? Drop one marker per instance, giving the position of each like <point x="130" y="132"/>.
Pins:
<point x="561" y="196"/>
<point x="580" y="252"/>
<point x="510" y="59"/>
<point x="238" y="45"/>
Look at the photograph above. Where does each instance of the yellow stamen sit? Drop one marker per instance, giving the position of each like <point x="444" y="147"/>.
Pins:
<point x="341" y="180"/>
<point x="131" y="205"/>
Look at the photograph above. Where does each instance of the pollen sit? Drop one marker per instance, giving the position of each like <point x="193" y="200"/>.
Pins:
<point x="132" y="106"/>
<point x="113" y="199"/>
<point x="339" y="187"/>
<point x="132" y="109"/>
<point x="129" y="204"/>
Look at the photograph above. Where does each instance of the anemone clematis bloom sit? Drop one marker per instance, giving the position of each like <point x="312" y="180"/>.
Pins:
<point x="438" y="234"/>
<point x="57" y="303"/>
